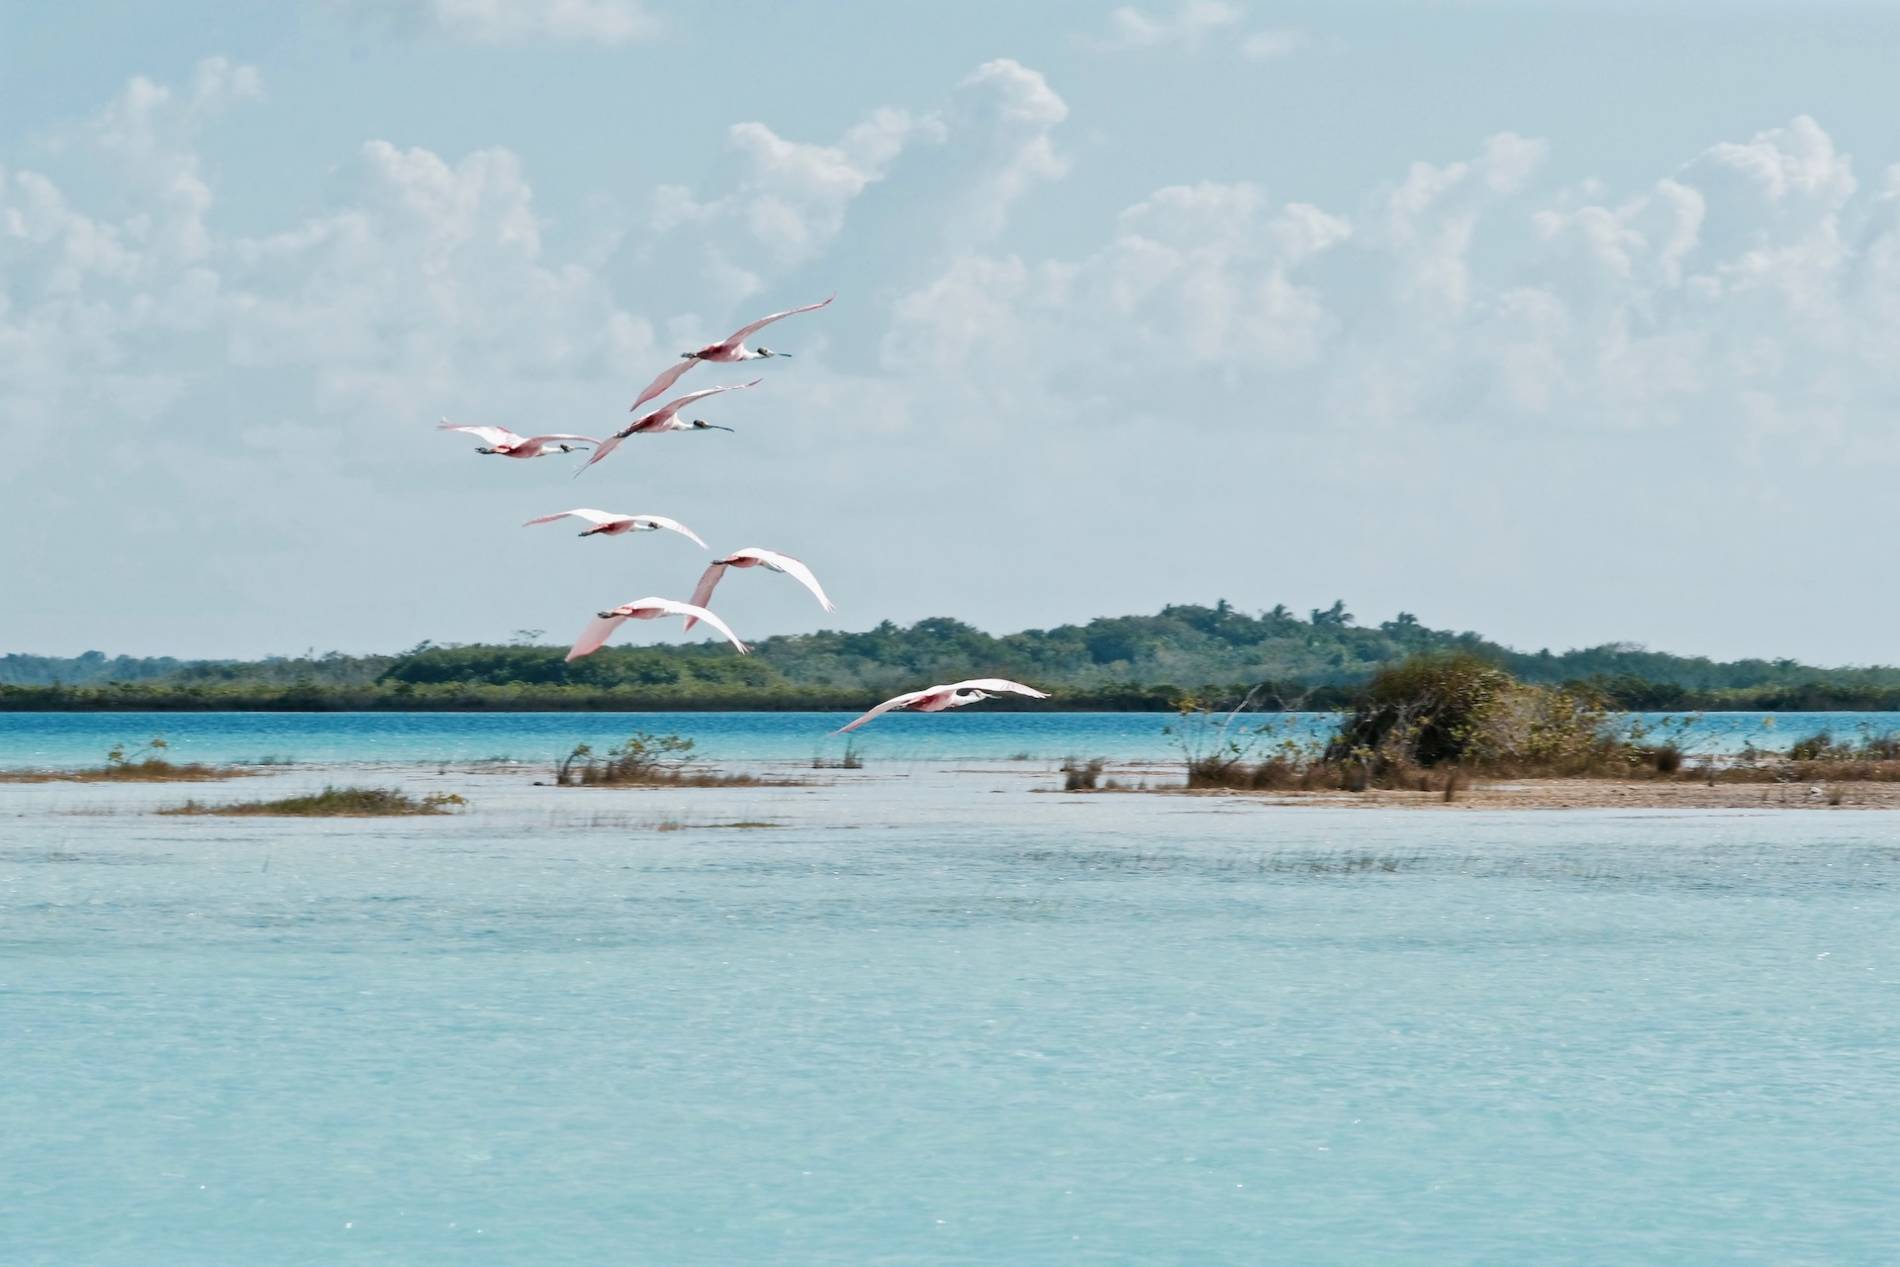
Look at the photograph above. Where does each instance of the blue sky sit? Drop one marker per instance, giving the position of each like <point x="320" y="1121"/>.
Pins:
<point x="1564" y="322"/>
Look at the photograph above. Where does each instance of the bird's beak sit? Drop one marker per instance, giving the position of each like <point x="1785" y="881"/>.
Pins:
<point x="713" y="426"/>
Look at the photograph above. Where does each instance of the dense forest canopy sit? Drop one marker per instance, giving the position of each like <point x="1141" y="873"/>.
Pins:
<point x="1119" y="661"/>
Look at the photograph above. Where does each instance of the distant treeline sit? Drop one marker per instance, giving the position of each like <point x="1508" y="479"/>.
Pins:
<point x="1127" y="663"/>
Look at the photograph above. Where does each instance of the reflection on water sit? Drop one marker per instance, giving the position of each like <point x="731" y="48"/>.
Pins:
<point x="938" y="1019"/>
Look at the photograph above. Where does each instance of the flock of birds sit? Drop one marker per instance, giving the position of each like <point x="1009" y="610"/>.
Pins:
<point x="500" y="442"/>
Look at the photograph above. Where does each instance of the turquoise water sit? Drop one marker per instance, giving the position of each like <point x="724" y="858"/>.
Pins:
<point x="942" y="1016"/>
<point x="67" y="739"/>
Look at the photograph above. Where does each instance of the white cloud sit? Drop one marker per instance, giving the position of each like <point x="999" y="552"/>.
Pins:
<point x="1743" y="307"/>
<point x="516" y="21"/>
<point x="1264" y="46"/>
<point x="1191" y="23"/>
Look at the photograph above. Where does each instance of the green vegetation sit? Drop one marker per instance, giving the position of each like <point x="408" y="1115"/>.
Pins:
<point x="1148" y="663"/>
<point x="334" y="802"/>
<point x="140" y="765"/>
<point x="1431" y="722"/>
<point x="647" y="760"/>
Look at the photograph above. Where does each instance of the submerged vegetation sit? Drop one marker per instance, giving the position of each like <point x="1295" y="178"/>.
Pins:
<point x="334" y="802"/>
<point x="1132" y="663"/>
<point x="143" y="764"/>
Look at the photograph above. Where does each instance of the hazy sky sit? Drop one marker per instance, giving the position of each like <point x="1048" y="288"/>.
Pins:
<point x="1564" y="322"/>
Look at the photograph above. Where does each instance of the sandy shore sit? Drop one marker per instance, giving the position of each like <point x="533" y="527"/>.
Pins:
<point x="1557" y="794"/>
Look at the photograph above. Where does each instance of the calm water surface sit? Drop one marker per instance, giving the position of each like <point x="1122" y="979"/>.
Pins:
<point x="942" y="1016"/>
<point x="65" y="739"/>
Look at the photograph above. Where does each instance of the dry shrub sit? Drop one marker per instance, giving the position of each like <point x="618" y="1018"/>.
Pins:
<point x="1081" y="776"/>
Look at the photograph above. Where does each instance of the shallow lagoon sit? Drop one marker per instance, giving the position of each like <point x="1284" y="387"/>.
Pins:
<point x="70" y="739"/>
<point x="941" y="1014"/>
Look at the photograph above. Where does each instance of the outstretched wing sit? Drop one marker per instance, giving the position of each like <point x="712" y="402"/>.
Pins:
<point x="595" y="635"/>
<point x="674" y="525"/>
<point x="606" y="446"/>
<point x="678" y="403"/>
<point x="896" y="701"/>
<point x="660" y="384"/>
<point x="695" y="612"/>
<point x="599" y="518"/>
<point x="708" y="581"/>
<point x="744" y="332"/>
<point x="559" y="438"/>
<point x="792" y="568"/>
<point x="998" y="684"/>
<point x="495" y="436"/>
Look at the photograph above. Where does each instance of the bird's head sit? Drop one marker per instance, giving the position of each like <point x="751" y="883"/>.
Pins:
<point x="700" y="424"/>
<point x="765" y="352"/>
<point x="486" y="449"/>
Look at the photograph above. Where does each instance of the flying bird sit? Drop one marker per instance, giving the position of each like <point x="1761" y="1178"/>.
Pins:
<point x="602" y="628"/>
<point x="934" y="699"/>
<point x="666" y="418"/>
<point x="611" y="525"/>
<point x="752" y="557"/>
<point x="505" y="443"/>
<point x="725" y="352"/>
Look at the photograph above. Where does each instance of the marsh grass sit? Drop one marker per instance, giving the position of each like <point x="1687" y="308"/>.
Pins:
<point x="333" y="802"/>
<point x="851" y="760"/>
<point x="1082" y="776"/>
<point x="649" y="760"/>
<point x="151" y="770"/>
<point x="143" y="764"/>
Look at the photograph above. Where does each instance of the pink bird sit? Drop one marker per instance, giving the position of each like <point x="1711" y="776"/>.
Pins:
<point x="666" y="418"/>
<point x="752" y="557"/>
<point x="727" y="351"/>
<point x="934" y="699"/>
<point x="596" y="634"/>
<point x="610" y="525"/>
<point x="505" y="443"/>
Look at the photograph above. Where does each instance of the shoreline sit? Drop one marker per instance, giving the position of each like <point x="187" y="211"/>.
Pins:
<point x="1150" y="782"/>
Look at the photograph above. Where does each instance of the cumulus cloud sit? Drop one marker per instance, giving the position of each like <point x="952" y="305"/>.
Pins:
<point x="1468" y="292"/>
<point x="781" y="202"/>
<point x="1746" y="301"/>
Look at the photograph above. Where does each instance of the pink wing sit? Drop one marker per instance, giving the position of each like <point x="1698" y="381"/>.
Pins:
<point x="673" y="406"/>
<point x="661" y="383"/>
<point x="595" y="635"/>
<point x="599" y="518"/>
<point x="708" y="580"/>
<point x="895" y="701"/>
<point x="744" y="332"/>
<point x="606" y="446"/>
<point x="558" y="437"/>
